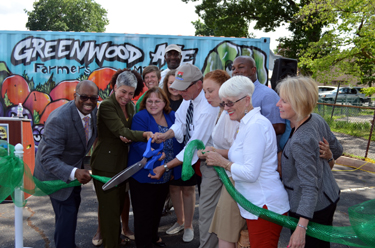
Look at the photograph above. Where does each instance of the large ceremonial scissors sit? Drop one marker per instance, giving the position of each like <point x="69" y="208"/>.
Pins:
<point x="149" y="158"/>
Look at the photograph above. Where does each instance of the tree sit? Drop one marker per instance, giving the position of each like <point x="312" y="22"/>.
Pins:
<point x="349" y="38"/>
<point x="202" y="29"/>
<point x="67" y="15"/>
<point x="228" y="17"/>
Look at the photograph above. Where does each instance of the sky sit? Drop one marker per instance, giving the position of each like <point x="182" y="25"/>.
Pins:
<point x="163" y="17"/>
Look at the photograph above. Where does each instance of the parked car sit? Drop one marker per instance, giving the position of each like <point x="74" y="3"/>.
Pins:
<point x="325" y="89"/>
<point x="346" y="95"/>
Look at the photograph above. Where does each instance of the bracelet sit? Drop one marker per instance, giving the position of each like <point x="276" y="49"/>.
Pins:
<point x="329" y="160"/>
<point x="227" y="165"/>
<point x="213" y="149"/>
<point x="302" y="226"/>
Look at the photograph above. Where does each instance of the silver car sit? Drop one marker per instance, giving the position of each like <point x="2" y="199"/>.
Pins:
<point x="345" y="95"/>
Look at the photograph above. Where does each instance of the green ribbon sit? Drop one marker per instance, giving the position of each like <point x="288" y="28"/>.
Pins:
<point x="15" y="174"/>
<point x="361" y="233"/>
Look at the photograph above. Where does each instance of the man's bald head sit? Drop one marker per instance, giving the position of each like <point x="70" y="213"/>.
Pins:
<point x="245" y="66"/>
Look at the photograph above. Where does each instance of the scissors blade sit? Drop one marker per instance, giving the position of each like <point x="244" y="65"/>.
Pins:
<point x="125" y="174"/>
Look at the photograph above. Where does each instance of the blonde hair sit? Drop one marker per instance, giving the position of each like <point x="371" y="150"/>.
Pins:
<point x="301" y="93"/>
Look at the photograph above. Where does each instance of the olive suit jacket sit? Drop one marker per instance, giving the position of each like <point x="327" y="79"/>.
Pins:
<point x="110" y="155"/>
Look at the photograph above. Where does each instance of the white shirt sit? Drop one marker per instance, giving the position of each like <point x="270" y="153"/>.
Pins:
<point x="204" y="118"/>
<point x="224" y="133"/>
<point x="72" y="177"/>
<point x="254" y="157"/>
<point x="163" y="74"/>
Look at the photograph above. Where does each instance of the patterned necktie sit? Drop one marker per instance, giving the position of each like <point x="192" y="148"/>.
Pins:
<point x="189" y="121"/>
<point x="87" y="126"/>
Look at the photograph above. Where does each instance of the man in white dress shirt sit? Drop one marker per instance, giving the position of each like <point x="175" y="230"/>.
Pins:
<point x="195" y="119"/>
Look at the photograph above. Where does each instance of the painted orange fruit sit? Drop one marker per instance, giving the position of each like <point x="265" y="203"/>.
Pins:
<point x="37" y="101"/>
<point x="101" y="77"/>
<point x="51" y="107"/>
<point x="16" y="89"/>
<point x="64" y="90"/>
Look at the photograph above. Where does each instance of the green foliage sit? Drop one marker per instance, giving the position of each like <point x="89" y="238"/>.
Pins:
<point x="202" y="29"/>
<point x="67" y="15"/>
<point x="6" y="100"/>
<point x="347" y="46"/>
<point x="83" y="77"/>
<point x="368" y="91"/>
<point x="29" y="81"/>
<point x="356" y="129"/>
<point x="348" y="120"/>
<point x="47" y="86"/>
<point x="105" y="93"/>
<point x="232" y="18"/>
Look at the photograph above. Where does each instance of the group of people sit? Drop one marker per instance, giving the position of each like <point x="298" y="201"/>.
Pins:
<point x="244" y="127"/>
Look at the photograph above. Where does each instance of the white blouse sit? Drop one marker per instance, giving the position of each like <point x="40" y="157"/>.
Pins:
<point x="254" y="157"/>
<point x="224" y="133"/>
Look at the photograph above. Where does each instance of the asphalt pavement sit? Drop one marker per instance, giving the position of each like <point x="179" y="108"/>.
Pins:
<point x="356" y="186"/>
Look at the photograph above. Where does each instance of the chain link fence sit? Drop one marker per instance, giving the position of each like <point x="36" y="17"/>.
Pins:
<point x="352" y="118"/>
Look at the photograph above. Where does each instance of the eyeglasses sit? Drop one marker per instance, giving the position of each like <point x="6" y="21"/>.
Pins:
<point x="157" y="102"/>
<point x="85" y="98"/>
<point x="189" y="86"/>
<point x="230" y="104"/>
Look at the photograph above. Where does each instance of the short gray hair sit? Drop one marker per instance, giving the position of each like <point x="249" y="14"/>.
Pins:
<point x="237" y="86"/>
<point x="126" y="78"/>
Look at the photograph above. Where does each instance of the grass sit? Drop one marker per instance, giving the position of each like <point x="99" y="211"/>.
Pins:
<point x="359" y="157"/>
<point x="356" y="129"/>
<point x="339" y="123"/>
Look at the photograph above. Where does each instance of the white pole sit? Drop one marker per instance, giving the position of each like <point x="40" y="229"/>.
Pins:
<point x="19" y="197"/>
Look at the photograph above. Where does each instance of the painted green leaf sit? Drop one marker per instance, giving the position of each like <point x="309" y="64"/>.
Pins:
<point x="213" y="63"/>
<point x="6" y="100"/>
<point x="260" y="61"/>
<point x="36" y="117"/>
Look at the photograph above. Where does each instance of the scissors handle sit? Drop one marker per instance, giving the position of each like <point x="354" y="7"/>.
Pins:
<point x="149" y="153"/>
<point x="150" y="164"/>
<point x="152" y="156"/>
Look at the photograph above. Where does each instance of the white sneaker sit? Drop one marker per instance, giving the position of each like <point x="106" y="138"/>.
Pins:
<point x="188" y="235"/>
<point x="176" y="228"/>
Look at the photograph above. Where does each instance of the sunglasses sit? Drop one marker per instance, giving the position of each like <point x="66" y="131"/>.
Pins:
<point x="230" y="104"/>
<point x="85" y="98"/>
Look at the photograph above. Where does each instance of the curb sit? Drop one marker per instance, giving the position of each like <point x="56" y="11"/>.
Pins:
<point x="356" y="163"/>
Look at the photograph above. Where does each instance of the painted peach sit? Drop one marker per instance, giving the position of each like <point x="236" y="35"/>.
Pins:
<point x="64" y="90"/>
<point x="16" y="88"/>
<point x="101" y="77"/>
<point x="51" y="107"/>
<point x="37" y="101"/>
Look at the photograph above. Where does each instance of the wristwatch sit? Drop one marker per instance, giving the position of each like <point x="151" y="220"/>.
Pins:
<point x="166" y="168"/>
<point x="329" y="160"/>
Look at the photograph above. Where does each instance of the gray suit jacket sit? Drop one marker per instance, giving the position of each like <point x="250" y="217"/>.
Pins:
<point x="307" y="178"/>
<point x="63" y="146"/>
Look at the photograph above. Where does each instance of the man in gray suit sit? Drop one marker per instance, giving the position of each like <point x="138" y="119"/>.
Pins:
<point x="69" y="133"/>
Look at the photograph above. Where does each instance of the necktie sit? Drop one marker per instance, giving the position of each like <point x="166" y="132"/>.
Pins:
<point x="189" y="121"/>
<point x="87" y="126"/>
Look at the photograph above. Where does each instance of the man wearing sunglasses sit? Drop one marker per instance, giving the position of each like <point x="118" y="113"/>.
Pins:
<point x="195" y="119"/>
<point x="69" y="133"/>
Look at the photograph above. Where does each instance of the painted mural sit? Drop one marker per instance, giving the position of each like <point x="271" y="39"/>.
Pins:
<point x="41" y="69"/>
